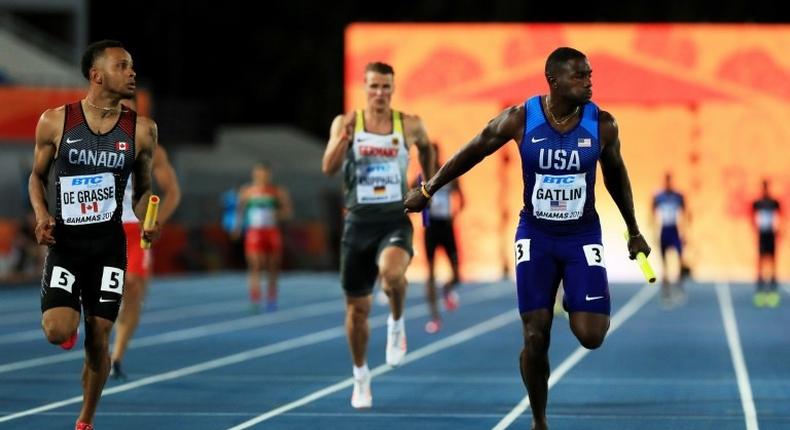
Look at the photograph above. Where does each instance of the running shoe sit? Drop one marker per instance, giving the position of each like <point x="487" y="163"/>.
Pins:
<point x="83" y="426"/>
<point x="433" y="326"/>
<point x="361" y="397"/>
<point x="760" y="299"/>
<point x="451" y="301"/>
<point x="396" y="345"/>
<point x="772" y="299"/>
<point x="69" y="344"/>
<point x="116" y="372"/>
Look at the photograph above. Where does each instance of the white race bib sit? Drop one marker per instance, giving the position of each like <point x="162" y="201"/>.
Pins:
<point x="87" y="199"/>
<point x="559" y="197"/>
<point x="765" y="219"/>
<point x="261" y="217"/>
<point x="379" y="183"/>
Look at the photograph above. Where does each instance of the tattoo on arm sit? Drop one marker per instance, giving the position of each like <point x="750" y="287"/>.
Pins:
<point x="141" y="189"/>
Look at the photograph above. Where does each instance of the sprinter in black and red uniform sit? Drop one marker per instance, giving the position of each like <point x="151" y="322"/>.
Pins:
<point x="84" y="154"/>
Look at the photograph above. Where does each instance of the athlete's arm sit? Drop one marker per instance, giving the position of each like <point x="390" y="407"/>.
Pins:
<point x="615" y="177"/>
<point x="415" y="132"/>
<point x="48" y="131"/>
<point x="167" y="181"/>
<point x="146" y="142"/>
<point x="339" y="137"/>
<point x="501" y="129"/>
<point x="285" y="210"/>
<point x="685" y="220"/>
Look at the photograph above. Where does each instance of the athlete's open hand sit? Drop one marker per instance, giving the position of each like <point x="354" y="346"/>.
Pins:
<point x="637" y="244"/>
<point x="44" y="230"/>
<point x="415" y="201"/>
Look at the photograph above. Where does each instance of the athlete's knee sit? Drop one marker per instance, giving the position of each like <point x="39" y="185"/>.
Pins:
<point x="56" y="332"/>
<point x="392" y="277"/>
<point x="535" y="341"/>
<point x="358" y="314"/>
<point x="591" y="339"/>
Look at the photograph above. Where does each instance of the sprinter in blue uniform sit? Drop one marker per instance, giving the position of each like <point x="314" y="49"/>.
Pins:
<point x="561" y="136"/>
<point x="669" y="212"/>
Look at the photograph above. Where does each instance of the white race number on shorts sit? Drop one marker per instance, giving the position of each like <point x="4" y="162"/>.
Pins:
<point x="112" y="280"/>
<point x="61" y="278"/>
<point x="594" y="255"/>
<point x="522" y="250"/>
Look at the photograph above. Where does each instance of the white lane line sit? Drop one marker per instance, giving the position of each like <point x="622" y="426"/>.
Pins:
<point x="480" y="295"/>
<point x="736" y="353"/>
<point x="465" y="335"/>
<point x="306" y="311"/>
<point x="627" y="311"/>
<point x="154" y="316"/>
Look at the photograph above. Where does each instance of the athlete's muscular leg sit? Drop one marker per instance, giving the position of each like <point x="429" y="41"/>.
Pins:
<point x="589" y="328"/>
<point x="129" y="315"/>
<point x="534" y="361"/>
<point x="430" y="290"/>
<point x="357" y="311"/>
<point x="254" y="274"/>
<point x="59" y="324"/>
<point x="393" y="263"/>
<point x="273" y="262"/>
<point x="97" y="364"/>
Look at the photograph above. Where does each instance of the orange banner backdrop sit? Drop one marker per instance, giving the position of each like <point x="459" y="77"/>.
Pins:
<point x="709" y="103"/>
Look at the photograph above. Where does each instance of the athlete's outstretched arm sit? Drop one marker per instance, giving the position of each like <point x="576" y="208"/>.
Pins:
<point x="501" y="129"/>
<point x="43" y="155"/>
<point x="415" y="132"/>
<point x="147" y="137"/>
<point x="339" y="137"/>
<point x="167" y="181"/>
<point x="615" y="177"/>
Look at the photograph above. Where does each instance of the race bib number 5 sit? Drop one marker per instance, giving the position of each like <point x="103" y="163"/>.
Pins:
<point x="87" y="199"/>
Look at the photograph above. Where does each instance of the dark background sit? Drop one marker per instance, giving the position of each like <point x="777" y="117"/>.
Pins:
<point x="281" y="62"/>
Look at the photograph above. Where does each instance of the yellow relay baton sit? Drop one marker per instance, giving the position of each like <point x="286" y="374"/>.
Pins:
<point x="641" y="260"/>
<point x="150" y="218"/>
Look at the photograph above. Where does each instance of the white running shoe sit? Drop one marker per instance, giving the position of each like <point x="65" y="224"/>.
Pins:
<point x="396" y="346"/>
<point x="362" y="397"/>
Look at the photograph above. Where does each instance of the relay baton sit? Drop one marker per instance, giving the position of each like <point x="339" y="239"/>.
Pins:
<point x="150" y="219"/>
<point x="641" y="260"/>
<point x="426" y="220"/>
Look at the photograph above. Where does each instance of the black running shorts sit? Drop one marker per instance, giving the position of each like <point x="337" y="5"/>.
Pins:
<point x="361" y="246"/>
<point x="86" y="270"/>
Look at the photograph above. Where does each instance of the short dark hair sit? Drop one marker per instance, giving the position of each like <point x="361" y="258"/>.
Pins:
<point x="94" y="51"/>
<point x="559" y="56"/>
<point x="379" y="67"/>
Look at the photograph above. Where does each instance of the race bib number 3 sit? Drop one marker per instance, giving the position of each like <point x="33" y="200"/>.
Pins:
<point x="87" y="199"/>
<point x="522" y="250"/>
<point x="379" y="183"/>
<point x="559" y="197"/>
<point x="594" y="255"/>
